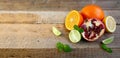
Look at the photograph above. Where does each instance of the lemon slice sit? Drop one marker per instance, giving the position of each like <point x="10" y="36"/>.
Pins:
<point x="56" y="31"/>
<point x="110" y="24"/>
<point x="108" y="40"/>
<point x="74" y="36"/>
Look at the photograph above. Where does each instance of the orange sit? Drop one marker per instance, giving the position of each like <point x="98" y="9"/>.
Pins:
<point x="73" y="18"/>
<point x="92" y="11"/>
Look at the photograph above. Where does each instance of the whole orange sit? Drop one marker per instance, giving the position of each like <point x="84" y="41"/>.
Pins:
<point x="92" y="11"/>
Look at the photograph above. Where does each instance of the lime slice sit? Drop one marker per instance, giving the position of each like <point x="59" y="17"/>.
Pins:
<point x="110" y="24"/>
<point x="56" y="31"/>
<point x="108" y="40"/>
<point x="74" y="36"/>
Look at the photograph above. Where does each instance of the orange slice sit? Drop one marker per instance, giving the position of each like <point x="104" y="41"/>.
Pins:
<point x="73" y="18"/>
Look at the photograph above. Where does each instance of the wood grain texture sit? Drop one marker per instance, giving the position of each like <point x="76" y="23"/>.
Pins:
<point x="41" y="36"/>
<point x="53" y="53"/>
<point x="26" y="29"/>
<point x="40" y="17"/>
<point x="38" y="5"/>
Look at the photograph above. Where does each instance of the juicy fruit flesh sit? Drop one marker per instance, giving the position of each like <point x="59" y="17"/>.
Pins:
<point x="93" y="30"/>
<point x="73" y="18"/>
<point x="74" y="36"/>
<point x="110" y="24"/>
<point x="56" y="31"/>
<point x="108" y="40"/>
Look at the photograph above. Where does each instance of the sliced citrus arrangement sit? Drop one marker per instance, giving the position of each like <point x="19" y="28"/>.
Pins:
<point x="74" y="36"/>
<point x="73" y="18"/>
<point x="110" y="24"/>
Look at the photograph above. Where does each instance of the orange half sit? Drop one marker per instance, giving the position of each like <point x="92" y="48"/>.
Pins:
<point x="73" y="18"/>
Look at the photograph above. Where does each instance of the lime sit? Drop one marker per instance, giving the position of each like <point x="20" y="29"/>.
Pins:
<point x="108" y="40"/>
<point x="74" y="36"/>
<point x="56" y="31"/>
<point x="110" y="24"/>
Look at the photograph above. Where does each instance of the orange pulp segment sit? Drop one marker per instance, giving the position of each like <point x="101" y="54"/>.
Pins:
<point x="73" y="18"/>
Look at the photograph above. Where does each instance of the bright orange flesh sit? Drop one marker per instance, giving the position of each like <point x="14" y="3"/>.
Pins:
<point x="73" y="18"/>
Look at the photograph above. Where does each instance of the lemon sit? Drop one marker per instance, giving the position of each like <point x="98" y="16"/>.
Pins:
<point x="56" y="31"/>
<point x="110" y="24"/>
<point x="74" y="36"/>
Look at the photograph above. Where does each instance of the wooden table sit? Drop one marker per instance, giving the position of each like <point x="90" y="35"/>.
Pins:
<point x="25" y="29"/>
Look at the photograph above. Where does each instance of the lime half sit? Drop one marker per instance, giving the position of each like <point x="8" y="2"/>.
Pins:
<point x="108" y="40"/>
<point x="56" y="31"/>
<point x="74" y="36"/>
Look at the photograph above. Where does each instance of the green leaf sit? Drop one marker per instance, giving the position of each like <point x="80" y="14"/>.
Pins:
<point x="60" y="46"/>
<point x="109" y="50"/>
<point x="78" y="28"/>
<point x="63" y="47"/>
<point x="67" y="48"/>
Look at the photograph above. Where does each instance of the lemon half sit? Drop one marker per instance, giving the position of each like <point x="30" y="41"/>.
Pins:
<point x="110" y="24"/>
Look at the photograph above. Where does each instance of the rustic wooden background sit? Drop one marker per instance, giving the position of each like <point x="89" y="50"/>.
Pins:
<point x="25" y="29"/>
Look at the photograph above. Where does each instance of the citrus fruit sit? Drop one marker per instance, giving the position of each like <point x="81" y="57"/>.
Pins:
<point x="56" y="31"/>
<point x="108" y="40"/>
<point x="92" y="11"/>
<point x="74" y="36"/>
<point x="73" y="18"/>
<point x="110" y="24"/>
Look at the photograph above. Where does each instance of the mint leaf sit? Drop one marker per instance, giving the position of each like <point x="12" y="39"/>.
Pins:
<point x="78" y="28"/>
<point x="109" y="50"/>
<point x="67" y="48"/>
<point x="60" y="46"/>
<point x="63" y="47"/>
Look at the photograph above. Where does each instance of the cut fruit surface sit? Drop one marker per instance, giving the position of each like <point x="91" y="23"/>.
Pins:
<point x="93" y="29"/>
<point x="73" y="18"/>
<point x="108" y="40"/>
<point x="56" y="31"/>
<point x="74" y="36"/>
<point x="110" y="24"/>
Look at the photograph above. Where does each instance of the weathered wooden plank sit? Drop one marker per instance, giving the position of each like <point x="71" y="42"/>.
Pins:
<point x="38" y="17"/>
<point x="41" y="36"/>
<point x="55" y="4"/>
<point x="53" y="53"/>
<point x="18" y="18"/>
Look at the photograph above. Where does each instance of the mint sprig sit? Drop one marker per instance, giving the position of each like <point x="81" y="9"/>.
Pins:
<point x="63" y="47"/>
<point x="104" y="47"/>
<point x="78" y="28"/>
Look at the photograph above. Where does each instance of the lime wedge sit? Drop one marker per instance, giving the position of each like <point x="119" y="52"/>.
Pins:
<point x="56" y="31"/>
<point x="108" y="40"/>
<point x="74" y="36"/>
